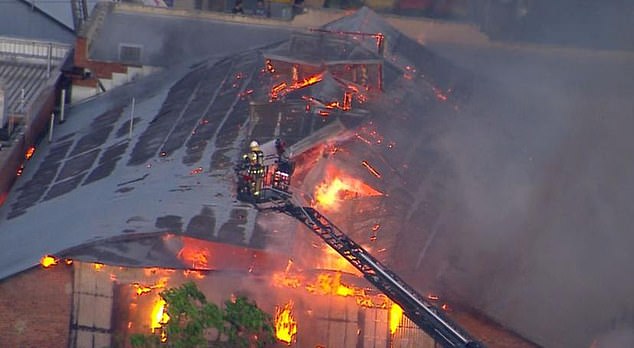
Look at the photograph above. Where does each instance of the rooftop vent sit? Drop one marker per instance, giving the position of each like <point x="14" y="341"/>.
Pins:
<point x="129" y="53"/>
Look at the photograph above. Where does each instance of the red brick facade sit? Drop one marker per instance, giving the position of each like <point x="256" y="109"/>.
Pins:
<point x="40" y="113"/>
<point x="35" y="308"/>
<point x="99" y="69"/>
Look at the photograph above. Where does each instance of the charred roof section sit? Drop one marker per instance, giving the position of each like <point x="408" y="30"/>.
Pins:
<point x="319" y="48"/>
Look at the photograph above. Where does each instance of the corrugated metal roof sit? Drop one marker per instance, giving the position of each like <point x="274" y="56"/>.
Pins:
<point x="36" y="20"/>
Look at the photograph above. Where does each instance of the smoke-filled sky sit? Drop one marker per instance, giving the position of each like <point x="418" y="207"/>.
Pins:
<point x="541" y="191"/>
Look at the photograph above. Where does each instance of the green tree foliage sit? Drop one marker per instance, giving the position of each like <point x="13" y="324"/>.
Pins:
<point x="248" y="326"/>
<point x="240" y="324"/>
<point x="190" y="315"/>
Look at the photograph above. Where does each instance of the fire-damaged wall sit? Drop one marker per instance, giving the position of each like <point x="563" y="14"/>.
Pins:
<point x="103" y="305"/>
<point x="35" y="308"/>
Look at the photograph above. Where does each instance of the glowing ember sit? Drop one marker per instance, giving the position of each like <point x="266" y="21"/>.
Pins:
<point x="439" y="94"/>
<point x="159" y="316"/>
<point x="277" y="89"/>
<point x="433" y="297"/>
<point x="48" y="261"/>
<point x="29" y="153"/>
<point x="330" y="194"/>
<point x="311" y="80"/>
<point x="396" y="313"/>
<point x="285" y="324"/>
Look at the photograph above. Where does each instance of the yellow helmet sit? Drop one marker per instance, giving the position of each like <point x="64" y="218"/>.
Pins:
<point x="254" y="145"/>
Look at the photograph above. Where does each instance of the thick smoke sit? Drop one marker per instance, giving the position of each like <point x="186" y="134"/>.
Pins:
<point x="541" y="190"/>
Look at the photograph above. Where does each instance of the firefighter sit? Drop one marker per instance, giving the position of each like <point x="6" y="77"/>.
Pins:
<point x="281" y="177"/>
<point x="280" y="148"/>
<point x="255" y="160"/>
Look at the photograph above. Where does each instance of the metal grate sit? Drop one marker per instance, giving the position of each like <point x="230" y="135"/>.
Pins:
<point x="130" y="53"/>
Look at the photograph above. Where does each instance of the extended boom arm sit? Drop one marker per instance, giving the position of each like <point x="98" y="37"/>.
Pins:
<point x="421" y="312"/>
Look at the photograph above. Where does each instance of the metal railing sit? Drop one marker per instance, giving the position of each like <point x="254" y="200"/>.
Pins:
<point x="33" y="48"/>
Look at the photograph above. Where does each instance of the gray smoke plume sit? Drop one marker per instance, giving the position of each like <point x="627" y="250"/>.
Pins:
<point x="541" y="189"/>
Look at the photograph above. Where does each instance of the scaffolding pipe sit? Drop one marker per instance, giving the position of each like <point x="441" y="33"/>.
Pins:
<point x="62" y="105"/>
<point x="50" y="128"/>
<point x="49" y="58"/>
<point x="132" y="118"/>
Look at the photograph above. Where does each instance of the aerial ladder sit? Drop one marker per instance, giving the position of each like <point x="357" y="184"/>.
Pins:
<point x="275" y="195"/>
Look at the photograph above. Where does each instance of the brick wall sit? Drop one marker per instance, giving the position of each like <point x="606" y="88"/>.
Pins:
<point x="99" y="69"/>
<point x="35" y="308"/>
<point x="12" y="157"/>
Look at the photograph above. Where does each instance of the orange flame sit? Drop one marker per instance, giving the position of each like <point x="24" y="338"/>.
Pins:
<point x="48" y="261"/>
<point x="284" y="88"/>
<point x="285" y="324"/>
<point x="196" y="256"/>
<point x="29" y="153"/>
<point x="287" y="280"/>
<point x="396" y="313"/>
<point x="327" y="284"/>
<point x="141" y="289"/>
<point x="329" y="195"/>
<point x="332" y="260"/>
<point x="311" y="80"/>
<point x="159" y="318"/>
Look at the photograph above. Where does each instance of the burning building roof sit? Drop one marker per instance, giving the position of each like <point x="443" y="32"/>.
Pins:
<point x="143" y="175"/>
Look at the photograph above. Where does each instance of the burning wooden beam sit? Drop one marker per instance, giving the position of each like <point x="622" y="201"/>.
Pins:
<point x="371" y="169"/>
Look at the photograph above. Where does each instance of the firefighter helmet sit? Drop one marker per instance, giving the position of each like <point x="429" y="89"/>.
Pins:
<point x="254" y="145"/>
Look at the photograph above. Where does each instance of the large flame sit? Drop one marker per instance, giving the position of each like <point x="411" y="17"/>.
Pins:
<point x="159" y="318"/>
<point x="396" y="313"/>
<point x="331" y="193"/>
<point x="285" y="324"/>
<point x="330" y="284"/>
